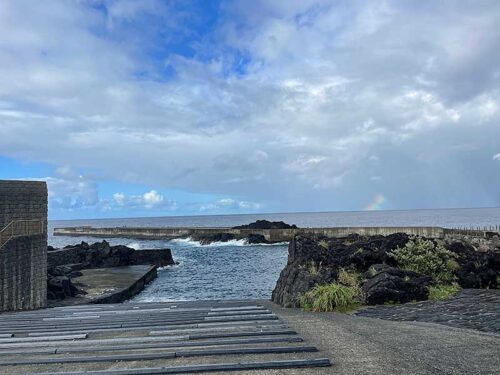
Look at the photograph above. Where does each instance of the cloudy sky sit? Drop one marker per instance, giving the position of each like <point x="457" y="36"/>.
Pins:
<point x="150" y="107"/>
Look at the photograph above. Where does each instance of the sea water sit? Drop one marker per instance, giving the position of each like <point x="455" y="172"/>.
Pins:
<point x="237" y="270"/>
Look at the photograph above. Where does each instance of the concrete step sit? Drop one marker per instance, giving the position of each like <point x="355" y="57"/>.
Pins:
<point x="212" y="367"/>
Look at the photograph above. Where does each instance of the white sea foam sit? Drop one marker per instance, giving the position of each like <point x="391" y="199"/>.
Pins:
<point x="243" y="242"/>
<point x="134" y="245"/>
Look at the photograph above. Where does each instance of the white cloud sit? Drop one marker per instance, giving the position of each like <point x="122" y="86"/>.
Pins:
<point x="119" y="198"/>
<point x="496" y="157"/>
<point x="152" y="198"/>
<point x="327" y="85"/>
<point x="229" y="204"/>
<point x="149" y="200"/>
<point x="68" y="191"/>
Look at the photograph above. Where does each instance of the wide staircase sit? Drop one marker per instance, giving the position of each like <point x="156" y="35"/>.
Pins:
<point x="152" y="338"/>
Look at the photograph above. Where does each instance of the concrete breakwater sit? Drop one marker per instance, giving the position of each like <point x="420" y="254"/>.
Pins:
<point x="271" y="235"/>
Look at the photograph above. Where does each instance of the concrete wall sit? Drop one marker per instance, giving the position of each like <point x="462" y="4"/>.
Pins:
<point x="23" y="259"/>
<point x="21" y="200"/>
<point x="23" y="273"/>
<point x="274" y="235"/>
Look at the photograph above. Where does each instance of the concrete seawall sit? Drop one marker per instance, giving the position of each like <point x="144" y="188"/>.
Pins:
<point x="273" y="235"/>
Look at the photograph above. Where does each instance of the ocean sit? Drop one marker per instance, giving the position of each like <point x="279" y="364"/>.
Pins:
<point x="235" y="270"/>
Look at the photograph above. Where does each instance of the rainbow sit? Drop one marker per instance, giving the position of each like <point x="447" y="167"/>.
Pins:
<point x="376" y="203"/>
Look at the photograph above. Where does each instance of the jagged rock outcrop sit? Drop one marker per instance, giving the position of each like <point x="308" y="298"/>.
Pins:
<point x="478" y="269"/>
<point x="206" y="239"/>
<point x="266" y="224"/>
<point x="387" y="284"/>
<point x="59" y="283"/>
<point x="256" y="239"/>
<point x="315" y="260"/>
<point x="103" y="255"/>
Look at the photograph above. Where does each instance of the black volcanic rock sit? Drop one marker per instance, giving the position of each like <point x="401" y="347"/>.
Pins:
<point x="59" y="283"/>
<point x="206" y="239"/>
<point x="265" y="224"/>
<point x="393" y="285"/>
<point x="478" y="269"/>
<point x="315" y="260"/>
<point x="103" y="255"/>
<point x="256" y="239"/>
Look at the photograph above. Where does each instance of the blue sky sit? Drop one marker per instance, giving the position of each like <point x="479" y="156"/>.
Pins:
<point x="149" y="108"/>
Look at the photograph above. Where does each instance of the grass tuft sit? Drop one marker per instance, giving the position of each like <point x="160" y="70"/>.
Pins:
<point x="348" y="278"/>
<point x="313" y="268"/>
<point x="331" y="297"/>
<point x="442" y="292"/>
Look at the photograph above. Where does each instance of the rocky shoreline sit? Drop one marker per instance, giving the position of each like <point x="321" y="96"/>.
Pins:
<point x="317" y="260"/>
<point x="63" y="265"/>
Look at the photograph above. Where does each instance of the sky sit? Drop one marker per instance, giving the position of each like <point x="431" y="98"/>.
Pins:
<point x="156" y="108"/>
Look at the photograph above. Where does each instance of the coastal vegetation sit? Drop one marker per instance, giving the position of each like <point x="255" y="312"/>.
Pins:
<point x="331" y="297"/>
<point x="343" y="295"/>
<point x="425" y="257"/>
<point x="443" y="292"/>
<point x="328" y="273"/>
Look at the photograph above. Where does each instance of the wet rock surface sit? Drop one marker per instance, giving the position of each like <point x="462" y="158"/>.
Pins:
<point x="207" y="239"/>
<point x="472" y="308"/>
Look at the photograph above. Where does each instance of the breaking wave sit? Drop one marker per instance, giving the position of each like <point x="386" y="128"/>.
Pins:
<point x="134" y="245"/>
<point x="193" y="243"/>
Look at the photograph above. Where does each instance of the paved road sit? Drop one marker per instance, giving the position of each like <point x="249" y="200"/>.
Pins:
<point x="360" y="345"/>
<point x="472" y="308"/>
<point x="355" y="344"/>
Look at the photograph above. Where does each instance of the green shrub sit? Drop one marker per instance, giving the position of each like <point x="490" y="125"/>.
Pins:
<point x="331" y="297"/>
<point x="424" y="257"/>
<point x="441" y="292"/>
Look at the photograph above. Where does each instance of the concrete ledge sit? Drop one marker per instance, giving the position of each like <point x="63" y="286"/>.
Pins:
<point x="132" y="290"/>
<point x="110" y="285"/>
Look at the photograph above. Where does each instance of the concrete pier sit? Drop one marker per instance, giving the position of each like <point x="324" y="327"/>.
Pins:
<point x="272" y="235"/>
<point x="109" y="285"/>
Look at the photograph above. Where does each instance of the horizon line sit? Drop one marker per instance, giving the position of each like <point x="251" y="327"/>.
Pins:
<point x="280" y="213"/>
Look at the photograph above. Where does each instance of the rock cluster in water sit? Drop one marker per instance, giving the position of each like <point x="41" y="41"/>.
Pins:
<point x="315" y="260"/>
<point x="65" y="264"/>
<point x="265" y="224"/>
<point x="250" y="238"/>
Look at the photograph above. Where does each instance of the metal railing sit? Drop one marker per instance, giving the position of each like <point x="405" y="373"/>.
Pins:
<point x="18" y="228"/>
